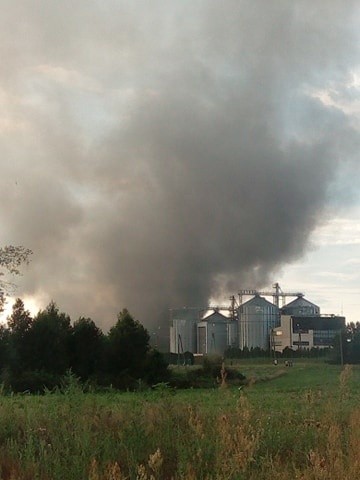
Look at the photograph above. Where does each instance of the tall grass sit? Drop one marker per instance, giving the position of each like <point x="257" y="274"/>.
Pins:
<point x="313" y="433"/>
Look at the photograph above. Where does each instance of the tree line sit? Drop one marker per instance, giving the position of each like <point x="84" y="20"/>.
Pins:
<point x="35" y="353"/>
<point x="347" y="345"/>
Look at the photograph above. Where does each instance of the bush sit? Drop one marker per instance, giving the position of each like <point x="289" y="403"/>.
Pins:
<point x="34" y="381"/>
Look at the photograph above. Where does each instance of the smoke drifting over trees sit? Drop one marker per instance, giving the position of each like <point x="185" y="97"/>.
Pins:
<point x="154" y="155"/>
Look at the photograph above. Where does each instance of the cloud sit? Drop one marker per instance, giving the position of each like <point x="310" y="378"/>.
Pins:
<point x="173" y="151"/>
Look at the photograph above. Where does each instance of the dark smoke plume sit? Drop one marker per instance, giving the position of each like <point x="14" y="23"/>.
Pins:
<point x="156" y="154"/>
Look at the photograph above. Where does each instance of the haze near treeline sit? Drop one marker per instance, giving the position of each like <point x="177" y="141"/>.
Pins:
<point x="158" y="154"/>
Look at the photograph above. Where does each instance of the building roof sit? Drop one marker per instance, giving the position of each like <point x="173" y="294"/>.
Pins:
<point x="300" y="301"/>
<point x="215" y="317"/>
<point x="258" y="301"/>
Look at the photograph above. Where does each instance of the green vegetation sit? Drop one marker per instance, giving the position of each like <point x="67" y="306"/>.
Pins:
<point x="347" y="345"/>
<point x="11" y="259"/>
<point x="300" y="422"/>
<point x="36" y="352"/>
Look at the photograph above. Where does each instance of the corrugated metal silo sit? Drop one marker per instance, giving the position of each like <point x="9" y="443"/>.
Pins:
<point x="256" y="318"/>
<point x="183" y="330"/>
<point x="300" y="307"/>
<point x="213" y="334"/>
<point x="232" y="333"/>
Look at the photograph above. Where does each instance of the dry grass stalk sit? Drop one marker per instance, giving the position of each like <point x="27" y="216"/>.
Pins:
<point x="196" y="423"/>
<point x="345" y="376"/>
<point x="354" y="444"/>
<point x="223" y="376"/>
<point x="238" y="441"/>
<point x="112" y="472"/>
<point x="331" y="463"/>
<point x="94" y="470"/>
<point x="153" y="469"/>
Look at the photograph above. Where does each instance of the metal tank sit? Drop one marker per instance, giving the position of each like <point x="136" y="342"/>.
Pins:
<point x="213" y="334"/>
<point x="183" y="330"/>
<point x="300" y="307"/>
<point x="256" y="319"/>
<point x="232" y="333"/>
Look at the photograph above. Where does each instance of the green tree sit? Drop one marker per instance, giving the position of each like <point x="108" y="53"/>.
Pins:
<point x="346" y="345"/>
<point x="86" y="345"/>
<point x="19" y="324"/>
<point x="351" y="343"/>
<point x="20" y="320"/>
<point x="50" y="341"/>
<point x="11" y="259"/>
<point x="156" y="367"/>
<point x="128" y="345"/>
<point x="4" y="347"/>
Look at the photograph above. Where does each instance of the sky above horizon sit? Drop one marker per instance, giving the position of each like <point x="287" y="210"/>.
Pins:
<point x="156" y="155"/>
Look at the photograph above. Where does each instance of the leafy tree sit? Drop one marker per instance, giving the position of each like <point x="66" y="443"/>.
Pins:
<point x="11" y="259"/>
<point x="4" y="346"/>
<point x="19" y="324"/>
<point x="128" y="345"/>
<point x="50" y="341"/>
<point x="156" y="367"/>
<point x="86" y="345"/>
<point x="346" y="345"/>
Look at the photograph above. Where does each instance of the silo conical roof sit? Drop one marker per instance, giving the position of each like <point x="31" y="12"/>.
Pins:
<point x="258" y="301"/>
<point x="300" y="306"/>
<point x="299" y="302"/>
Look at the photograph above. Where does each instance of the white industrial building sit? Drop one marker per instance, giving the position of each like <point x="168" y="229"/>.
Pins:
<point x="305" y="332"/>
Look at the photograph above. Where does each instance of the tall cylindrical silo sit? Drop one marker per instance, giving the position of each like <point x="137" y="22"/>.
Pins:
<point x="256" y="319"/>
<point x="232" y="333"/>
<point x="183" y="330"/>
<point x="213" y="334"/>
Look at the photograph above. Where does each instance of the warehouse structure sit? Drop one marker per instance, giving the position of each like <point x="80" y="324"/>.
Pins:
<point x="253" y="323"/>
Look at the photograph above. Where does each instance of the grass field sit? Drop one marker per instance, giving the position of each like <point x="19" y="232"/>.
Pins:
<point x="301" y="422"/>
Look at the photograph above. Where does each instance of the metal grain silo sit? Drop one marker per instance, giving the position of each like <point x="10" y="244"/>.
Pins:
<point x="232" y="333"/>
<point x="213" y="334"/>
<point x="256" y="319"/>
<point x="300" y="307"/>
<point x="183" y="330"/>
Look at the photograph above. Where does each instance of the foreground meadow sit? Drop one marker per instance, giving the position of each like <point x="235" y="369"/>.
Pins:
<point x="301" y="422"/>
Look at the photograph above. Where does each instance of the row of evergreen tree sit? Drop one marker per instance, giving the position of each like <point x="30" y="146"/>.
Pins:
<point x="35" y="353"/>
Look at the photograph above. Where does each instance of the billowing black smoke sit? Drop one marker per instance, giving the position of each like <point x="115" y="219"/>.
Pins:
<point x="156" y="154"/>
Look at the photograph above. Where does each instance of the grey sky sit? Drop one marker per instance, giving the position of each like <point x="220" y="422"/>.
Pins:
<point x="156" y="154"/>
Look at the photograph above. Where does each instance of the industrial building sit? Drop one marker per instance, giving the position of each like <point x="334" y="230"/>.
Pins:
<point x="306" y="332"/>
<point x="253" y="323"/>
